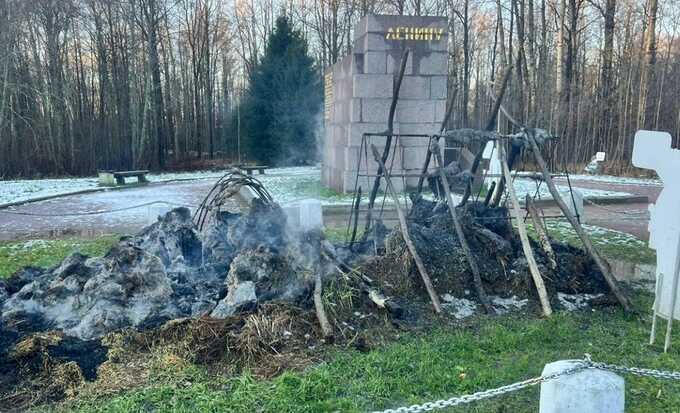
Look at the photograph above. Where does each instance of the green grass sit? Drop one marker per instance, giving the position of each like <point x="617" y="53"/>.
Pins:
<point x="422" y="367"/>
<point x="307" y="187"/>
<point x="46" y="253"/>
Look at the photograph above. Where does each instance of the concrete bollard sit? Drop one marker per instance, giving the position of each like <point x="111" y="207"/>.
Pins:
<point x="304" y="215"/>
<point x="311" y="214"/>
<point x="586" y="391"/>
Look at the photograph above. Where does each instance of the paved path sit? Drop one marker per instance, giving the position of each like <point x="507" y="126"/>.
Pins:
<point x="630" y="218"/>
<point x="13" y="226"/>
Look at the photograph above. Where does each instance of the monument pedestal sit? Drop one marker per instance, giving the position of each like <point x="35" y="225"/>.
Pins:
<point x="359" y="90"/>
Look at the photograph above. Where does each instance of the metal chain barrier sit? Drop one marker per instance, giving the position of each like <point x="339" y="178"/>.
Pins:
<point x="584" y="364"/>
<point x="657" y="374"/>
<point x="100" y="212"/>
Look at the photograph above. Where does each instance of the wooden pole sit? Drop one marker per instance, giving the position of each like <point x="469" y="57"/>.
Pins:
<point x="407" y="238"/>
<point x="655" y="314"/>
<point x="541" y="231"/>
<point x="388" y="141"/>
<point x="442" y="129"/>
<point x="587" y="243"/>
<point x="476" y="275"/>
<point x="320" y="310"/>
<point x="526" y="247"/>
<point x="355" y="223"/>
<point x="490" y="123"/>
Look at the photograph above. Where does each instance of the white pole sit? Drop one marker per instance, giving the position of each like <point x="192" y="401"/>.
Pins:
<point x="657" y="298"/>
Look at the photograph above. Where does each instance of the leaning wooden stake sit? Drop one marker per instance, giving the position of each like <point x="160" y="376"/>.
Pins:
<point x="476" y="276"/>
<point x="528" y="253"/>
<point x="587" y="244"/>
<point x="442" y="129"/>
<point x="388" y="142"/>
<point x="490" y="125"/>
<point x="541" y="231"/>
<point x="320" y="310"/>
<point x="404" y="231"/>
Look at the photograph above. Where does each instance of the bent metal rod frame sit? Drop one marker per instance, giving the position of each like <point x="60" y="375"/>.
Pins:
<point x="363" y="170"/>
<point x="225" y="188"/>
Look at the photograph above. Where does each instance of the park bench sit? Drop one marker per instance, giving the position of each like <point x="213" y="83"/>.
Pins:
<point x="250" y="168"/>
<point x="113" y="178"/>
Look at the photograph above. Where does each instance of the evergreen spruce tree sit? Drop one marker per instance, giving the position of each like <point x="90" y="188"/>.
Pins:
<point x="284" y="100"/>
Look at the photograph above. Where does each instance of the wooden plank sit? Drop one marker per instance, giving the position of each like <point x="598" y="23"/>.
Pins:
<point x="541" y="231"/>
<point x="587" y="243"/>
<point x="130" y="173"/>
<point x="526" y="247"/>
<point x="318" y="306"/>
<point x="407" y="238"/>
<point x="476" y="275"/>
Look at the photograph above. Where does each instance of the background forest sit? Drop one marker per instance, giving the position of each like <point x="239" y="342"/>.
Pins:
<point x="121" y="84"/>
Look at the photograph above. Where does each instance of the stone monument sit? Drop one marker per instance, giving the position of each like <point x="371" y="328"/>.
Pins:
<point x="359" y="90"/>
<point x="652" y="150"/>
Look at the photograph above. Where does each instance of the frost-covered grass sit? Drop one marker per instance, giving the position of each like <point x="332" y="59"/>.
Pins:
<point x="21" y="190"/>
<point x="611" y="243"/>
<point x="15" y="191"/>
<point x="525" y="186"/>
<point x="285" y="184"/>
<point x="622" y="180"/>
<point x="46" y="253"/>
<point x="292" y="184"/>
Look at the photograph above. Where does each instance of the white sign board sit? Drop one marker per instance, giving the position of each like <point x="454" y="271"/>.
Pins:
<point x="600" y="156"/>
<point x="488" y="150"/>
<point x="652" y="150"/>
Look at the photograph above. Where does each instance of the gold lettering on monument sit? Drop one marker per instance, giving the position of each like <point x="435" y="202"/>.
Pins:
<point x="328" y="95"/>
<point x="425" y="34"/>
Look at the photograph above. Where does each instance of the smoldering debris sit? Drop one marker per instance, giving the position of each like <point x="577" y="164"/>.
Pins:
<point x="172" y="269"/>
<point x="498" y="251"/>
<point x="169" y="270"/>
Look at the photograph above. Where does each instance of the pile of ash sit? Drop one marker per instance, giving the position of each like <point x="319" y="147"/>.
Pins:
<point x="495" y="246"/>
<point x="167" y="271"/>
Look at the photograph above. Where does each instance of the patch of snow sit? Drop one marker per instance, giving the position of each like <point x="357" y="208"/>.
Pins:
<point x="27" y="245"/>
<point x="505" y="305"/>
<point x="286" y="185"/>
<point x="174" y="176"/>
<point x="572" y="302"/>
<point x="524" y="186"/>
<point x="22" y="190"/>
<point x="458" y="307"/>
<point x="603" y="235"/>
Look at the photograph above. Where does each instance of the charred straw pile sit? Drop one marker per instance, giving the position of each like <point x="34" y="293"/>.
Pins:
<point x="496" y="248"/>
<point x="169" y="270"/>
